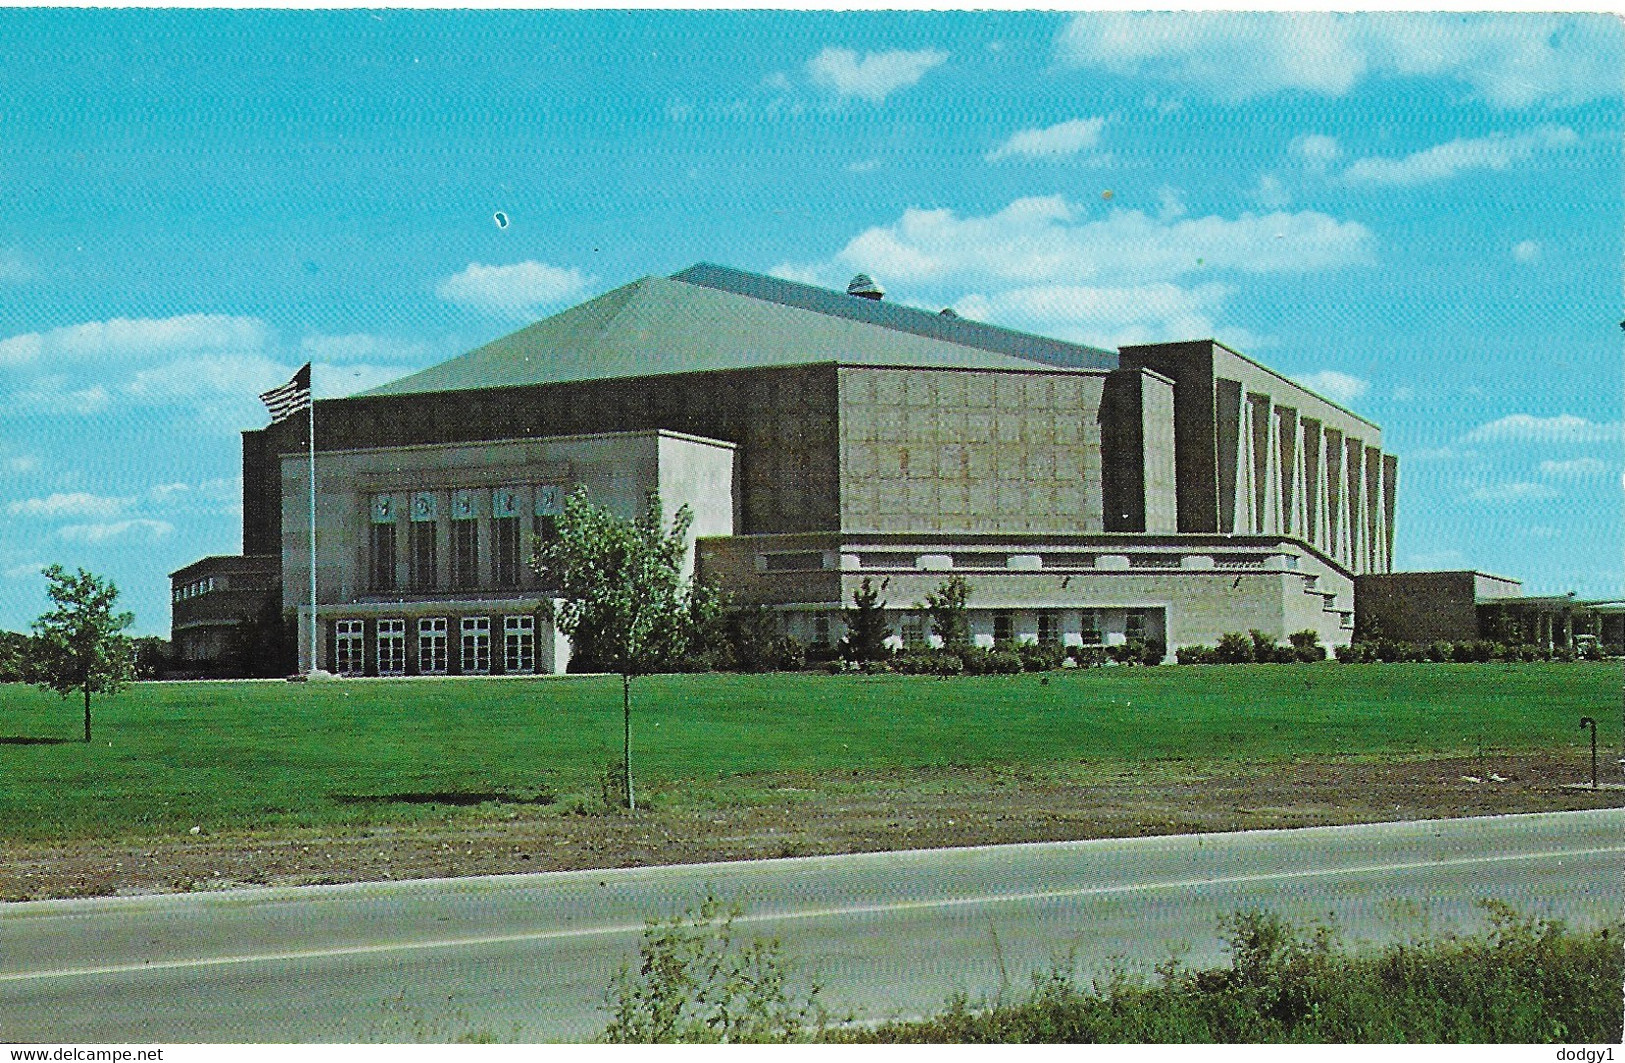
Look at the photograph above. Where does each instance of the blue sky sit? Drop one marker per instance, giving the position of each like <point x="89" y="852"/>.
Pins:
<point x="1420" y="215"/>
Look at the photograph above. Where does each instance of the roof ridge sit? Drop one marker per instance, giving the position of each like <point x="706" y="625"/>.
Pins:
<point x="898" y="317"/>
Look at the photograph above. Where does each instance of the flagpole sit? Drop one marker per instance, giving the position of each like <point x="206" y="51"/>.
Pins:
<point x="312" y="451"/>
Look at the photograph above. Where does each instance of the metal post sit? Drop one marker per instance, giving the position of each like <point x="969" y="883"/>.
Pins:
<point x="313" y="625"/>
<point x="1586" y="721"/>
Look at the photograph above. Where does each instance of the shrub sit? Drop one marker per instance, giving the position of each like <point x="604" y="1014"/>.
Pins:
<point x="1196" y="655"/>
<point x="1001" y="662"/>
<point x="1263" y="647"/>
<point x="1087" y="656"/>
<point x="758" y="644"/>
<point x="1440" y="651"/>
<point x="1037" y="657"/>
<point x="1306" y="646"/>
<point x="1356" y="653"/>
<point x="695" y="984"/>
<point x="928" y="662"/>
<point x="1234" y="648"/>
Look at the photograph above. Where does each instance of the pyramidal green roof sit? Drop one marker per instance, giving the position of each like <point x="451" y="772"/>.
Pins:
<point x="662" y="325"/>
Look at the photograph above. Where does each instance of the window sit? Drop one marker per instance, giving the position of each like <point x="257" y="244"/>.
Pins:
<point x="1003" y="627"/>
<point x="1090" y="627"/>
<point x="423" y="559"/>
<point x="349" y="653"/>
<point x="821" y="630"/>
<point x="1049" y="632"/>
<point x="914" y="632"/>
<point x="432" y="645"/>
<point x="505" y="550"/>
<point x="1134" y="625"/>
<point x="519" y="644"/>
<point x="465" y="553"/>
<point x="476" y="658"/>
<point x="382" y="555"/>
<point x="546" y="527"/>
<point x="391" y="647"/>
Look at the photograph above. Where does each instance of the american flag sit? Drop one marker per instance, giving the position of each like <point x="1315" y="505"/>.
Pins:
<point x="290" y="398"/>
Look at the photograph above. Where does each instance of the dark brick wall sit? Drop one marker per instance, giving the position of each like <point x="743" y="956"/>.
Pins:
<point x="1122" y="451"/>
<point x="1417" y="606"/>
<point x="1190" y="366"/>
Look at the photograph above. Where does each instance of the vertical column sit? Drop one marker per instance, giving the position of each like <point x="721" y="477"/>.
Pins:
<point x="1247" y="473"/>
<point x="1267" y="465"/>
<point x="1390" y="489"/>
<point x="1373" y="509"/>
<point x="1336" y="497"/>
<point x="1354" y="464"/>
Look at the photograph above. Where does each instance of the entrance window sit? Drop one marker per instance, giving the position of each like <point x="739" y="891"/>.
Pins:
<point x="465" y="553"/>
<point x="349" y="647"/>
<point x="476" y="658"/>
<point x="821" y="630"/>
<point x="1004" y="629"/>
<point x="382" y="557"/>
<point x="505" y="550"/>
<point x="432" y="645"/>
<point x="519" y="644"/>
<point x="913" y="632"/>
<point x="423" y="555"/>
<point x="391" y="647"/>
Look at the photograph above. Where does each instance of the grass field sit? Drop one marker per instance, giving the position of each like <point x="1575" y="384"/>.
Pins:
<point x="248" y="755"/>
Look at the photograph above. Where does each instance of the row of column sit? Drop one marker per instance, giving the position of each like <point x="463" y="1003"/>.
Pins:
<point x="1296" y="476"/>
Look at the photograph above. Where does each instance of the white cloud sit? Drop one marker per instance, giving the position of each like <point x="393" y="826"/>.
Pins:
<point x="165" y="492"/>
<point x="1526" y="251"/>
<point x="1509" y="60"/>
<point x="1316" y="149"/>
<point x="208" y="375"/>
<point x="1518" y="491"/>
<point x="1498" y="151"/>
<point x="873" y="77"/>
<point x="1271" y="192"/>
<point x="1049" y="240"/>
<point x="1339" y="387"/>
<point x="96" y="533"/>
<point x="72" y="504"/>
<point x="26" y="570"/>
<point x="1564" y="428"/>
<point x="518" y="290"/>
<point x="1056" y="141"/>
<point x="137" y="338"/>
<point x="1113" y="316"/>
<point x="22" y="463"/>
<point x="359" y="347"/>
<point x="1044" y="264"/>
<point x="52" y="394"/>
<point x="1574" y="467"/>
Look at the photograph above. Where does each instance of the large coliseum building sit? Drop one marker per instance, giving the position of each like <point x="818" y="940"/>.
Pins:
<point x="1170" y="491"/>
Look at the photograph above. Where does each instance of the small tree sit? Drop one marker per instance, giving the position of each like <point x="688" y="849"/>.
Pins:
<point x="79" y="645"/>
<point x="621" y="596"/>
<point x="14" y="657"/>
<point x="950" y="618"/>
<point x="866" y="629"/>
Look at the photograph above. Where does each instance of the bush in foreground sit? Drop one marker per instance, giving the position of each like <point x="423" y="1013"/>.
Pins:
<point x="1526" y="981"/>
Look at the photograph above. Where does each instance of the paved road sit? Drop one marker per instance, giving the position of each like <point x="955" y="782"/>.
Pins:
<point x="886" y="934"/>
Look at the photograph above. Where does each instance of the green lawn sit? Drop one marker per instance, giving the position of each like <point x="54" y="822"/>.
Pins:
<point x="244" y="755"/>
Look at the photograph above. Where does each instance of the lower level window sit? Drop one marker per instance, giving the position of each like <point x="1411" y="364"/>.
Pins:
<point x="391" y="647"/>
<point x="1134" y="625"/>
<point x="519" y="644"/>
<point x="1090" y="628"/>
<point x="1049" y="632"/>
<point x="1004" y="629"/>
<point x="821" y="630"/>
<point x="914" y="632"/>
<point x="349" y="647"/>
<point x="476" y="645"/>
<point x="432" y="645"/>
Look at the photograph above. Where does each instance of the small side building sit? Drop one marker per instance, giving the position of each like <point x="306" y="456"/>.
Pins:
<point x="211" y="600"/>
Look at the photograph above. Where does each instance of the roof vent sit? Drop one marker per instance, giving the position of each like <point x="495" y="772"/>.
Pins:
<point x="947" y="311"/>
<point x="864" y="288"/>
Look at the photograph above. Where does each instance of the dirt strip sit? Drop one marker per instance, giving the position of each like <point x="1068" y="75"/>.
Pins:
<point x="797" y="815"/>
